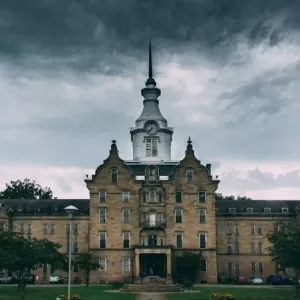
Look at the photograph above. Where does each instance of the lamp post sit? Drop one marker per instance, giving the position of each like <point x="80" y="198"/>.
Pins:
<point x="70" y="210"/>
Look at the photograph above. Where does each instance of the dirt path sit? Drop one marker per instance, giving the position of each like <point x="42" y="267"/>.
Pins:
<point x="150" y="296"/>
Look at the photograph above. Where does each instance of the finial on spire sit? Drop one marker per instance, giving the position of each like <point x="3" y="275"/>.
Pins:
<point x="150" y="79"/>
<point x="189" y="140"/>
<point x="189" y="148"/>
<point x="114" y="146"/>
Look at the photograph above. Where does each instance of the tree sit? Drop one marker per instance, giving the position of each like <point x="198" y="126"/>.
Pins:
<point x="86" y="262"/>
<point x="21" y="255"/>
<point x="220" y="196"/>
<point x="285" y="249"/>
<point x="187" y="266"/>
<point x="25" y="189"/>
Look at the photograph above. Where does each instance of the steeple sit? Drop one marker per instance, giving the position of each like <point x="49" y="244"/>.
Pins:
<point x="150" y="79"/>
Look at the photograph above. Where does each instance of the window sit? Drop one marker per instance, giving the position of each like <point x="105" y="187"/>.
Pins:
<point x="202" y="216"/>
<point x="144" y="197"/>
<point x="102" y="196"/>
<point x="160" y="218"/>
<point x="45" y="228"/>
<point x="229" y="248"/>
<point x="152" y="196"/>
<point x="151" y="147"/>
<point x="21" y="228"/>
<point x="102" y="264"/>
<point x="76" y="229"/>
<point x="126" y="264"/>
<point x="178" y="215"/>
<point x="125" y="196"/>
<point x="126" y="240"/>
<point x="252" y="230"/>
<point x="260" y="247"/>
<point x="160" y="197"/>
<point x="237" y="269"/>
<point x="52" y="228"/>
<point x="236" y="230"/>
<point x="253" y="267"/>
<point x="189" y="175"/>
<point x="152" y="240"/>
<point x="178" y="197"/>
<point x="114" y="175"/>
<point x="179" y="239"/>
<point x="249" y="210"/>
<point x="252" y="247"/>
<point x="28" y="231"/>
<point x="260" y="268"/>
<point x="259" y="230"/>
<point x="152" y="174"/>
<point x="267" y="210"/>
<point x="285" y="210"/>
<point x="203" y="265"/>
<point x="161" y="241"/>
<point x="126" y="216"/>
<point x="231" y="210"/>
<point x="201" y="197"/>
<point x="229" y="268"/>
<point x="228" y="229"/>
<point x="237" y="247"/>
<point x="102" y="240"/>
<point x="202" y="240"/>
<point x="102" y="215"/>
<point x="76" y="247"/>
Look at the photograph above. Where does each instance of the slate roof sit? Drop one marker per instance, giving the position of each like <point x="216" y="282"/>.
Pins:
<point x="46" y="207"/>
<point x="258" y="206"/>
<point x="164" y="170"/>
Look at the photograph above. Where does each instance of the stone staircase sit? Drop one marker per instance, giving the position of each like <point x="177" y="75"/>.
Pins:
<point x="152" y="288"/>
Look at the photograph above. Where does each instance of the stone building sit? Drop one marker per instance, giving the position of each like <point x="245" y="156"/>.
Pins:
<point x="141" y="213"/>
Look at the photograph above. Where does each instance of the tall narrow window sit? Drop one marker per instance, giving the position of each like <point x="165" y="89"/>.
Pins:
<point x="152" y="174"/>
<point x="151" y="147"/>
<point x="144" y="197"/>
<point x="260" y="248"/>
<point x="202" y="240"/>
<point x="202" y="213"/>
<point x="259" y="230"/>
<point x="253" y="267"/>
<point x="102" y="240"/>
<point x="152" y="196"/>
<point x="201" y="197"/>
<point x="237" y="269"/>
<point x="102" y="264"/>
<point x="178" y="215"/>
<point x="28" y="231"/>
<point x="203" y="265"/>
<point x="52" y="228"/>
<point x="260" y="268"/>
<point x="152" y="219"/>
<point x="114" y="175"/>
<point x="159" y="197"/>
<point x="45" y="229"/>
<point x="152" y="240"/>
<point x="178" y="197"/>
<point x="126" y="240"/>
<point x="126" y="264"/>
<point x="252" y="230"/>
<point x="102" y="196"/>
<point x="126" y="196"/>
<point x="228" y="229"/>
<point x="252" y="247"/>
<point x="189" y="175"/>
<point x="179" y="239"/>
<point x="76" y="247"/>
<point x="76" y="229"/>
<point x="126" y="216"/>
<point x="229" y="268"/>
<point x="102" y="215"/>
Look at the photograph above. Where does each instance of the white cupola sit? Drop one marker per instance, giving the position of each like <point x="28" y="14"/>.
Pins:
<point x="151" y="137"/>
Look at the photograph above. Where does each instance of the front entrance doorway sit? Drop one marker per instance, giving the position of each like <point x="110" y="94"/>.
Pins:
<point x="153" y="265"/>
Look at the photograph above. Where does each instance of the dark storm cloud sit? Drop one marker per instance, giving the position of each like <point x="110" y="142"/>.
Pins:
<point x="88" y="31"/>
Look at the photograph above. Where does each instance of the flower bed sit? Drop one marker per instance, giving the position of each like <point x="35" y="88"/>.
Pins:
<point x="65" y="297"/>
<point x="220" y="296"/>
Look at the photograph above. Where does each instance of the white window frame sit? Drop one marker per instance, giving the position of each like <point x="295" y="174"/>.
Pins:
<point x="151" y="143"/>
<point x="76" y="226"/>
<point x="105" y="264"/>
<point x="124" y="233"/>
<point x="249" y="210"/>
<point x="182" y="240"/>
<point x="180" y="192"/>
<point x="126" y="209"/>
<point x="261" y="228"/>
<point x="45" y="229"/>
<point x="52" y="229"/>
<point x="105" y="234"/>
<point x="124" y="195"/>
<point x="258" y="248"/>
<point x="181" y="213"/>
<point x="236" y="229"/>
<point x="204" y="196"/>
<point x="205" y="215"/>
<point x="232" y="210"/>
<point x="204" y="259"/>
<point x="128" y="259"/>
<point x="105" y="215"/>
<point x="100" y="196"/>
<point x="267" y="210"/>
<point x="186" y="175"/>
<point x="260" y="264"/>
<point x="284" y="210"/>
<point x="155" y="196"/>
<point x="205" y="237"/>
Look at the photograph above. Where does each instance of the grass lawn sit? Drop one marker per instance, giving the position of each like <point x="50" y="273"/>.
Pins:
<point x="238" y="293"/>
<point x="50" y="293"/>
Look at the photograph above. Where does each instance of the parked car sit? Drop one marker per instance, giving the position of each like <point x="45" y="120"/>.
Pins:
<point x="256" y="280"/>
<point x="274" y="279"/>
<point x="29" y="278"/>
<point x="242" y="280"/>
<point x="8" y="279"/>
<point x="56" y="279"/>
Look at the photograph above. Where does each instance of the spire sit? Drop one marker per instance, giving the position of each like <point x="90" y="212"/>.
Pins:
<point x="189" y="148"/>
<point x="150" y="79"/>
<point x="113" y="148"/>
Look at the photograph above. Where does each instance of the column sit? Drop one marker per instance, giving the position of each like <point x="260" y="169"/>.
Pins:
<point x="137" y="268"/>
<point x="169" y="267"/>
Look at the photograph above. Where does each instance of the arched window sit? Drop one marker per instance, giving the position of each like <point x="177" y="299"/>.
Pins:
<point x="114" y="175"/>
<point x="144" y="197"/>
<point x="160" y="197"/>
<point x="152" y="174"/>
<point x="189" y="175"/>
<point x="152" y="196"/>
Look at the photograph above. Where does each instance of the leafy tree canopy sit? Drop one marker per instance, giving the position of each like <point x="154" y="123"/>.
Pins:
<point x="25" y="189"/>
<point x="285" y="249"/>
<point x="220" y="196"/>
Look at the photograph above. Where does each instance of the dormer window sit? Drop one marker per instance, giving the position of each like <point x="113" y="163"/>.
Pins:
<point x="284" y="210"/>
<point x="249" y="210"/>
<point x="152" y="174"/>
<point x="189" y="175"/>
<point x="267" y="210"/>
<point x="232" y="210"/>
<point x="114" y="175"/>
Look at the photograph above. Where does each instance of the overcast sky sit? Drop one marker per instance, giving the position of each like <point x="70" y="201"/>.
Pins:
<point x="229" y="72"/>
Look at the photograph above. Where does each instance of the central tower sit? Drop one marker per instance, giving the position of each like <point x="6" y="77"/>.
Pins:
<point x="151" y="137"/>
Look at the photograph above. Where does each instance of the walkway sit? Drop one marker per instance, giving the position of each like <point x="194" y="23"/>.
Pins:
<point x="150" y="296"/>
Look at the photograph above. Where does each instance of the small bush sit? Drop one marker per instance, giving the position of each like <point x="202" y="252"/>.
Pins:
<point x="220" y="296"/>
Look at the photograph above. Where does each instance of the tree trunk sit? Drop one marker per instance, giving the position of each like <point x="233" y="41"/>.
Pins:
<point x="87" y="278"/>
